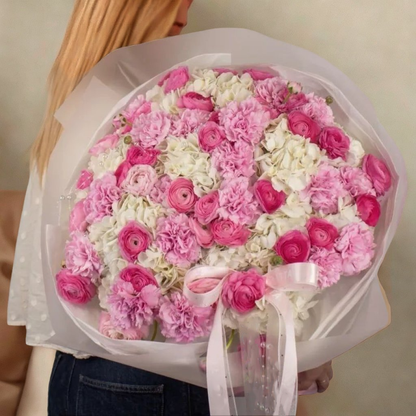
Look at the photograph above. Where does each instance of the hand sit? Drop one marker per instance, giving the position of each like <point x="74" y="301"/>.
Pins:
<point x="321" y="375"/>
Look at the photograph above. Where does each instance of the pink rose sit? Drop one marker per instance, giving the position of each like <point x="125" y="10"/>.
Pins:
<point x="195" y="101"/>
<point x="77" y="221"/>
<point x="108" y="142"/>
<point x="139" y="156"/>
<point x="318" y="110"/>
<point x="293" y="247"/>
<point x="181" y="195"/>
<point x="258" y="75"/>
<point x="138" y="276"/>
<point x="321" y="233"/>
<point x="269" y="199"/>
<point x="335" y="142"/>
<point x="379" y="173"/>
<point x="122" y="171"/>
<point x="177" y="79"/>
<point x="206" y="208"/>
<point x="369" y="209"/>
<point x="106" y="327"/>
<point x="203" y="236"/>
<point x="151" y="129"/>
<point x="188" y="122"/>
<point x="210" y="136"/>
<point x="241" y="290"/>
<point x="330" y="266"/>
<point x="73" y="288"/>
<point x="140" y="180"/>
<point x="356" y="246"/>
<point x="229" y="234"/>
<point x="133" y="239"/>
<point x="304" y="126"/>
<point x="356" y="181"/>
<point x="159" y="192"/>
<point x="85" y="179"/>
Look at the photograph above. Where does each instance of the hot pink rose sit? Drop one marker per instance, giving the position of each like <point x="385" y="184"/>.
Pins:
<point x="210" y="136"/>
<point x="241" y="290"/>
<point x="330" y="266"/>
<point x="73" y="288"/>
<point x="206" y="208"/>
<point x="138" y="276"/>
<point x="318" y="110"/>
<point x="379" y="173"/>
<point x="269" y="199"/>
<point x="140" y="180"/>
<point x="133" y="239"/>
<point x="107" y="328"/>
<point x="195" y="101"/>
<point x="304" y="126"/>
<point x="203" y="235"/>
<point x="335" y="142"/>
<point x="177" y="79"/>
<point x="188" y="122"/>
<point x="293" y="247"/>
<point x="369" y="209"/>
<point x="321" y="233"/>
<point x="108" y="142"/>
<point x="84" y="180"/>
<point x="356" y="181"/>
<point x="228" y="233"/>
<point x="122" y="171"/>
<point x="159" y="192"/>
<point x="258" y="75"/>
<point x="151" y="129"/>
<point x="181" y="195"/>
<point x="77" y="219"/>
<point x="139" y="156"/>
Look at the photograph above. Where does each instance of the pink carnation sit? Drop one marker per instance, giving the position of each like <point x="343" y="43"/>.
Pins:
<point x="77" y="221"/>
<point x="133" y="239"/>
<point x="107" y="328"/>
<point x="206" y="209"/>
<point x="182" y="321"/>
<point x="136" y="108"/>
<point x="177" y="79"/>
<point x="188" y="122"/>
<point x="176" y="240"/>
<point x="356" y="246"/>
<point x="84" y="180"/>
<point x="270" y="89"/>
<point x="74" y="289"/>
<point x="318" y="110"/>
<point x="108" y="142"/>
<point x="151" y="129"/>
<point x="330" y="266"/>
<point x="159" y="191"/>
<point x="356" y="181"/>
<point x="140" y="180"/>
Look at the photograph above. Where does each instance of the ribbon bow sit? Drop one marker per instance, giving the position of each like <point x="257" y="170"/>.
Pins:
<point x="269" y="362"/>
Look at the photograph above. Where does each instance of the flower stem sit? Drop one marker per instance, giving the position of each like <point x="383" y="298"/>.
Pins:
<point x="230" y="341"/>
<point x="154" y="331"/>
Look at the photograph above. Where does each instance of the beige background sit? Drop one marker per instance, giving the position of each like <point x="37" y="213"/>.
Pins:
<point x="372" y="41"/>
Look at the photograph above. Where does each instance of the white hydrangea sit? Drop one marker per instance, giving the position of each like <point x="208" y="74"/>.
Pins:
<point x="167" y="103"/>
<point x="232" y="257"/>
<point x="295" y="207"/>
<point x="203" y="81"/>
<point x="232" y="87"/>
<point x="347" y="213"/>
<point x="105" y="162"/>
<point x="302" y="303"/>
<point x="356" y="153"/>
<point x="257" y="255"/>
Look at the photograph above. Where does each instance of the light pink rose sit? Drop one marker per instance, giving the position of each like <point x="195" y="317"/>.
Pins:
<point x="356" y="181"/>
<point x="369" y="209"/>
<point x="330" y="266"/>
<point x="159" y="192"/>
<point x="176" y="240"/>
<point x="77" y="218"/>
<point x="229" y="234"/>
<point x="335" y="142"/>
<point x="138" y="276"/>
<point x="139" y="156"/>
<point x="140" y="180"/>
<point x="241" y="290"/>
<point x="151" y="129"/>
<point x="133" y="239"/>
<point x="206" y="208"/>
<point x="269" y="199"/>
<point x="181" y="195"/>
<point x="221" y="71"/>
<point x="210" y="136"/>
<point x="379" y="173"/>
<point x="258" y="75"/>
<point x="293" y="247"/>
<point x="318" y="110"/>
<point x="321" y="233"/>
<point x="301" y="124"/>
<point x="188" y="122"/>
<point x="195" y="101"/>
<point x="237" y="201"/>
<point x="108" y="142"/>
<point x="177" y="79"/>
<point x="203" y="236"/>
<point x="106" y="327"/>
<point x="244" y="121"/>
<point x="74" y="289"/>
<point x="85" y="179"/>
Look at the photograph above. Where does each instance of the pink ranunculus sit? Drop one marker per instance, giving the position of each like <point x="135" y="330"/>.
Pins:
<point x="149" y="130"/>
<point x="99" y="201"/>
<point x="244" y="121"/>
<point x="195" y="101"/>
<point x="136" y="108"/>
<point x="176" y="240"/>
<point x="237" y="201"/>
<point x="241" y="290"/>
<point x="139" y="156"/>
<point x="301" y="124"/>
<point x="269" y="199"/>
<point x="73" y="288"/>
<point x="183" y="322"/>
<point x="378" y="172"/>
<point x="160" y="191"/>
<point x="204" y="285"/>
<point x="206" y="208"/>
<point x="85" y="179"/>
<point x="108" y="142"/>
<point x="210" y="136"/>
<point x="221" y="71"/>
<point x="229" y="234"/>
<point x="321" y="233"/>
<point x="181" y="195"/>
<point x="293" y="247"/>
<point x="188" y="122"/>
<point x="133" y="239"/>
<point x="203" y="236"/>
<point x="138" y="276"/>
<point x="107" y="328"/>
<point x="233" y="159"/>
<point x="122" y="171"/>
<point x="369" y="209"/>
<point x="177" y="79"/>
<point x="356" y="181"/>
<point x="258" y="74"/>
<point x="81" y="258"/>
<point x="140" y="180"/>
<point x="335" y="142"/>
<point x="77" y="218"/>
<point x="318" y="110"/>
<point x="330" y="266"/>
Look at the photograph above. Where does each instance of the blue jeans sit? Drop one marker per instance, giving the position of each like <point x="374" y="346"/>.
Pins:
<point x="97" y="387"/>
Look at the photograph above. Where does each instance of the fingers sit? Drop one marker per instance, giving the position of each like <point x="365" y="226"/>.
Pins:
<point x="323" y="383"/>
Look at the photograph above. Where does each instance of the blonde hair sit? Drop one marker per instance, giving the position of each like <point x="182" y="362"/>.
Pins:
<point x="96" y="28"/>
